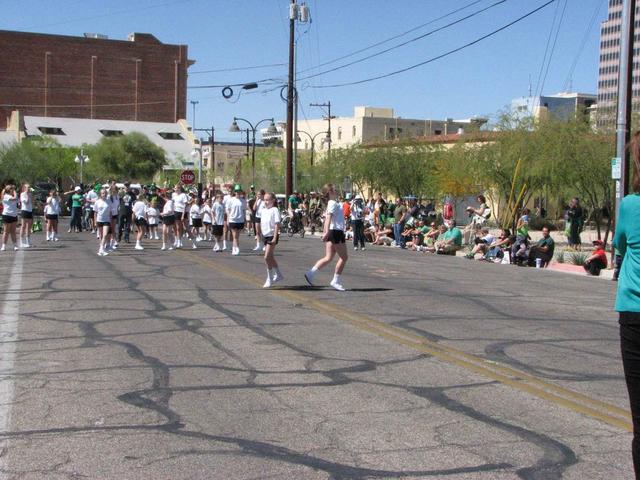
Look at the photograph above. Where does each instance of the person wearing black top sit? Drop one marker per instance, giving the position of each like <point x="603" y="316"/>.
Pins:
<point x="125" y="212"/>
<point x="575" y="217"/>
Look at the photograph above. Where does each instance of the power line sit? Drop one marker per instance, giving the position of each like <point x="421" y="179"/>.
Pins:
<point x="583" y="44"/>
<point x="546" y="51"/>
<point x="433" y="59"/>
<point x="415" y="39"/>
<point x="394" y="37"/>
<point x="553" y="47"/>
<point x="237" y="69"/>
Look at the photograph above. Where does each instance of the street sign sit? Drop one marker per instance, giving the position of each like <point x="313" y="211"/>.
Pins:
<point x="187" y="177"/>
<point x="616" y="168"/>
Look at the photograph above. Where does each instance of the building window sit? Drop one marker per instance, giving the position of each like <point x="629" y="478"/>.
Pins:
<point x="170" y="135"/>
<point x="353" y="132"/>
<point x="339" y="133"/>
<point x="437" y="132"/>
<point x="51" y="131"/>
<point x="111" y="133"/>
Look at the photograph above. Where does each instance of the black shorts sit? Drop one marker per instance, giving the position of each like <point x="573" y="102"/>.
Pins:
<point x="168" y="219"/>
<point x="141" y="222"/>
<point x="236" y="226"/>
<point x="104" y="224"/>
<point x="268" y="240"/>
<point x="217" y="230"/>
<point x="114" y="217"/>
<point x="336" y="236"/>
<point x="9" y="219"/>
<point x="51" y="217"/>
<point x="180" y="215"/>
<point x="196" y="222"/>
<point x="26" y="214"/>
<point x="206" y="224"/>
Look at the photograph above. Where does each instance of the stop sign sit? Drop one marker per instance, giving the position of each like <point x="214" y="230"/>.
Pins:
<point x="187" y="177"/>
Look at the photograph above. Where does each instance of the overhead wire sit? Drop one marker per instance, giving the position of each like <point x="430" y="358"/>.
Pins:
<point x="238" y="69"/>
<point x="415" y="39"/>
<point x="443" y="55"/>
<point x="553" y="47"/>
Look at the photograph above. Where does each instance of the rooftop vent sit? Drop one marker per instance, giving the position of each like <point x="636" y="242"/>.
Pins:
<point x="101" y="36"/>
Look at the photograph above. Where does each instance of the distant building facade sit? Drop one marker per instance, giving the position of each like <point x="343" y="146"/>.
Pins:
<point x="374" y="124"/>
<point x="561" y="106"/>
<point x="608" y="64"/>
<point x="92" y="77"/>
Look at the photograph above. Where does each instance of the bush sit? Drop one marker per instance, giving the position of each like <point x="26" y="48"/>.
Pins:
<point x="578" y="258"/>
<point x="560" y="256"/>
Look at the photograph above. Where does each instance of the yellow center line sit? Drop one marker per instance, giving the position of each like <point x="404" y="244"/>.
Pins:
<point x="575" y="401"/>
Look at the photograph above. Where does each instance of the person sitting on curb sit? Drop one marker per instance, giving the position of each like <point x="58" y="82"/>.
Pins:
<point x="482" y="243"/>
<point x="542" y="250"/>
<point x="501" y="246"/>
<point x="452" y="240"/>
<point x="438" y="240"/>
<point x="597" y="261"/>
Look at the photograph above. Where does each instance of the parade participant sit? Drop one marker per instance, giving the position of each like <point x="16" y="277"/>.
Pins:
<point x="9" y="215"/>
<point x="195" y="217"/>
<point x="270" y="227"/>
<point x="125" y="212"/>
<point x="102" y="209"/>
<point x="236" y="214"/>
<point x="168" y="223"/>
<point x="51" y="214"/>
<point x="139" y="211"/>
<point x="207" y="219"/>
<point x="180" y="200"/>
<point x="89" y="199"/>
<point x="26" y="213"/>
<point x="218" y="217"/>
<point x="628" y="297"/>
<point x="152" y="219"/>
<point x="333" y="236"/>
<point x="258" y="206"/>
<point x="113" y="199"/>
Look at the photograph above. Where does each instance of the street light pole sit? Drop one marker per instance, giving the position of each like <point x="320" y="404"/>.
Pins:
<point x="194" y="103"/>
<point x="81" y="158"/>
<point x="212" y="156"/>
<point x="253" y="128"/>
<point x="313" y="141"/>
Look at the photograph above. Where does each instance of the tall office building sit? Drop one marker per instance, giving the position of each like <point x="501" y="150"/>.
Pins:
<point x="609" y="58"/>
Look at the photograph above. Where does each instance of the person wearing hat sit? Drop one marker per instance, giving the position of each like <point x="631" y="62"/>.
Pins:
<point x="76" y="209"/>
<point x="597" y="261"/>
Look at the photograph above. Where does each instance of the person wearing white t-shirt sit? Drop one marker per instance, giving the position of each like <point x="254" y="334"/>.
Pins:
<point x="258" y="206"/>
<point x="207" y="219"/>
<point x="333" y="236"/>
<point x="102" y="209"/>
<point x="218" y="219"/>
<point x="113" y="199"/>
<point x="180" y="201"/>
<point x="9" y="215"/>
<point x="168" y="223"/>
<point x="225" y="200"/>
<point x="51" y="214"/>
<point x="270" y="227"/>
<point x="236" y="215"/>
<point x="26" y="213"/>
<point x="89" y="218"/>
<point x="195" y="219"/>
<point x="139" y="210"/>
<point x="152" y="219"/>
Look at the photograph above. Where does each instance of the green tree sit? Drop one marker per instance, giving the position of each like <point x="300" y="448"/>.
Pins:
<point x="36" y="160"/>
<point x="132" y="156"/>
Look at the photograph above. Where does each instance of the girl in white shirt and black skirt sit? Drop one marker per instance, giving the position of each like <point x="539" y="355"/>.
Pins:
<point x="51" y="214"/>
<point x="9" y="215"/>
<point x="270" y="228"/>
<point x="26" y="212"/>
<point x="333" y="236"/>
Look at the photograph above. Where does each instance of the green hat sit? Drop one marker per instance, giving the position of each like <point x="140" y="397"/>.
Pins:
<point x="237" y="187"/>
<point x="97" y="187"/>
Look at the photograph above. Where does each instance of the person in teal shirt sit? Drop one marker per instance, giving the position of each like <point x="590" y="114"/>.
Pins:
<point x="627" y="242"/>
<point x="451" y="240"/>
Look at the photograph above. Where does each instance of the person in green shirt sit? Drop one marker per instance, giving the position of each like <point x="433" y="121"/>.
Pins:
<point x="451" y="240"/>
<point x="627" y="242"/>
<point x="543" y="249"/>
<point x="76" y="209"/>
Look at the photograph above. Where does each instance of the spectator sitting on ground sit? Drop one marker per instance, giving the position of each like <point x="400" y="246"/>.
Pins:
<point x="417" y="235"/>
<point x="543" y="249"/>
<point x="452" y="240"/>
<point x="482" y="243"/>
<point x="597" y="261"/>
<point x="496" y="250"/>
<point x="384" y="236"/>
<point x="431" y="235"/>
<point x="439" y="240"/>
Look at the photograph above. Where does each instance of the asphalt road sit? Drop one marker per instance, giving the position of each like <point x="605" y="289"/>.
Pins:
<point x="178" y="365"/>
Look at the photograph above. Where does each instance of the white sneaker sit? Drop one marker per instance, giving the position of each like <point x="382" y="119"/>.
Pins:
<point x="56" y="239"/>
<point x="267" y="284"/>
<point x="363" y="249"/>
<point x="256" y="248"/>
<point x="216" y="248"/>
<point x="337" y="286"/>
<point x="15" y="247"/>
<point x="170" y="248"/>
<point x="2" y="248"/>
<point x="164" y="247"/>
<point x="194" y="246"/>
<point x="224" y="247"/>
<point x="277" y="277"/>
<point x="138" y="247"/>
<point x="156" y="237"/>
<point x="264" y="248"/>
<point x="309" y="277"/>
<point x="355" y="248"/>
<point x="236" y="251"/>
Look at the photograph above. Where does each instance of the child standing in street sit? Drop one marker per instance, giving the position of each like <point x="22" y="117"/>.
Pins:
<point x="270" y="228"/>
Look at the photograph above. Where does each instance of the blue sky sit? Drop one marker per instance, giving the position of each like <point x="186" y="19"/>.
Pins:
<point x="228" y="34"/>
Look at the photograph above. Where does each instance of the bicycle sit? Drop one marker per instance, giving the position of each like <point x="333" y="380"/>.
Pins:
<point x="294" y="225"/>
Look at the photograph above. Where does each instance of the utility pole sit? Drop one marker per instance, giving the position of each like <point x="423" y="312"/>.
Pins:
<point x="288" y="189"/>
<point x="623" y="122"/>
<point x="194" y="103"/>
<point x="212" y="155"/>
<point x="326" y="105"/>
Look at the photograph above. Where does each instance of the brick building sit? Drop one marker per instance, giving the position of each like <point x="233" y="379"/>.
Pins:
<point x="141" y="79"/>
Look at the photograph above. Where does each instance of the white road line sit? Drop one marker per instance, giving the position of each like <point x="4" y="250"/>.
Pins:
<point x="8" y="331"/>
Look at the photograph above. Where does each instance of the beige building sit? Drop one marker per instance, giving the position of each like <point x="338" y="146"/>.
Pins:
<point x="373" y="124"/>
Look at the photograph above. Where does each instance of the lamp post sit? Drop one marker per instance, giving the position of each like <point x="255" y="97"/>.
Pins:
<point x="313" y="141"/>
<point x="271" y="130"/>
<point x="194" y="103"/>
<point x="81" y="158"/>
<point x="212" y="149"/>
